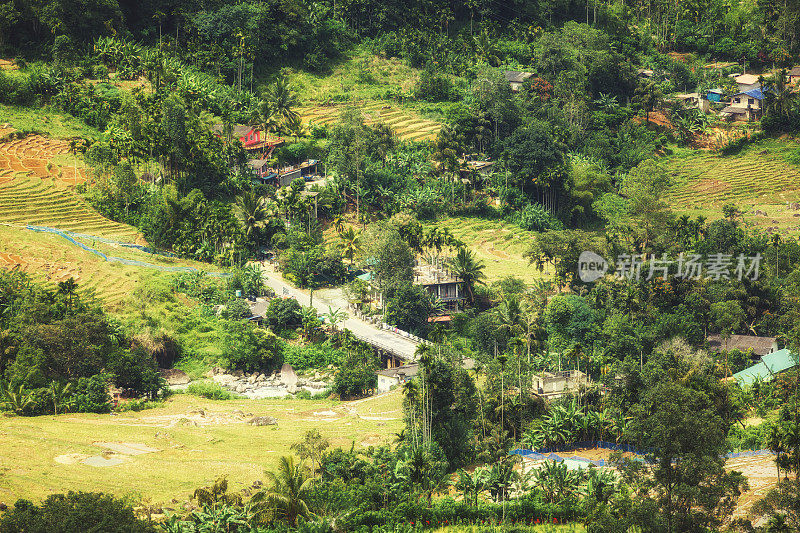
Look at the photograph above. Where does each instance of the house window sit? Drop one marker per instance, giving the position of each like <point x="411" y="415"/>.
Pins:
<point x="737" y="100"/>
<point x="751" y="101"/>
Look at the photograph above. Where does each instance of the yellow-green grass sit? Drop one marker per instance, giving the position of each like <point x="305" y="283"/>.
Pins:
<point x="50" y="258"/>
<point x="761" y="178"/>
<point x="45" y="120"/>
<point x="362" y="80"/>
<point x="405" y="123"/>
<point x="45" y="202"/>
<point x="362" y="75"/>
<point x="499" y="244"/>
<point x="189" y="456"/>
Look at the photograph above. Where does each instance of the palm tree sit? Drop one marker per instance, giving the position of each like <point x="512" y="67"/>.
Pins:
<point x="351" y="243"/>
<point x="469" y="270"/>
<point x="335" y="316"/>
<point x="251" y="211"/>
<point x="216" y="493"/>
<point x="69" y="289"/>
<point x="60" y="394"/>
<point x="295" y="127"/>
<point x="286" y="498"/>
<point x="282" y="100"/>
<point x="17" y="400"/>
<point x="312" y="447"/>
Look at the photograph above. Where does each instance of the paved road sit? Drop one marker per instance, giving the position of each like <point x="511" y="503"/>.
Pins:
<point x="398" y="345"/>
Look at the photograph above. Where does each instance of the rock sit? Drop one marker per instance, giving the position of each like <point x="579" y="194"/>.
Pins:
<point x="288" y="376"/>
<point x="263" y="421"/>
<point x="224" y="379"/>
<point x="291" y="389"/>
<point x="3" y="507"/>
<point x="261" y="378"/>
<point x="198" y="412"/>
<point x="240" y="388"/>
<point x="238" y="374"/>
<point x="217" y="370"/>
<point x="794" y="206"/>
<point x="173" y="376"/>
<point x="252" y="378"/>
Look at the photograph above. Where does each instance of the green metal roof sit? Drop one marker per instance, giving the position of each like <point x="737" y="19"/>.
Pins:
<point x="771" y="364"/>
<point x="366" y="276"/>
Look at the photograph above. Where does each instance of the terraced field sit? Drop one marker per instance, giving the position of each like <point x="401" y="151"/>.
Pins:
<point x="405" y="123"/>
<point x="760" y="175"/>
<point x="35" y="189"/>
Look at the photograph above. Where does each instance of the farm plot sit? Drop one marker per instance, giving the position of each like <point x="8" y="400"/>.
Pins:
<point x="34" y="189"/>
<point x="760" y="175"/>
<point x="406" y="124"/>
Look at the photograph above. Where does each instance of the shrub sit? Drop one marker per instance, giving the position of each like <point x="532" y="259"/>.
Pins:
<point x="434" y="87"/>
<point x="313" y="356"/>
<point x="74" y="512"/>
<point x="251" y="348"/>
<point x="533" y="217"/>
<point x="284" y="313"/>
<point x="210" y="390"/>
<point x="91" y="395"/>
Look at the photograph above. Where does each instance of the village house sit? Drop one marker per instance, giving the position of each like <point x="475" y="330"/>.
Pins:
<point x="770" y="366"/>
<point x="252" y="139"/>
<point x="694" y="101"/>
<point x="440" y="283"/>
<point x="747" y="82"/>
<point x="794" y="75"/>
<point x="759" y="346"/>
<point x="470" y="166"/>
<point x="516" y="78"/>
<point x="552" y="385"/>
<point x="395" y="377"/>
<point x="745" y="106"/>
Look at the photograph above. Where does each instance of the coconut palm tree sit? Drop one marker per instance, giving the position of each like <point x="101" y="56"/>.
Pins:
<point x="17" y="399"/>
<point x="469" y="270"/>
<point x="351" y="243"/>
<point x="282" y="100"/>
<point x="286" y="498"/>
<point x="294" y="126"/>
<point x="252" y="212"/>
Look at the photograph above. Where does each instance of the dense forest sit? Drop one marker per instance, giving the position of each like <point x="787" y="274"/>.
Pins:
<point x="580" y="161"/>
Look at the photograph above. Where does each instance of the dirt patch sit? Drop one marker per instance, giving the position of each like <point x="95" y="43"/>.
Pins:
<point x="126" y="448"/>
<point x="99" y="460"/>
<point x="761" y="475"/>
<point x="70" y="458"/>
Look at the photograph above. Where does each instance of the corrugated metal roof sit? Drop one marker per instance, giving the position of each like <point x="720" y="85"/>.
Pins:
<point x="770" y="364"/>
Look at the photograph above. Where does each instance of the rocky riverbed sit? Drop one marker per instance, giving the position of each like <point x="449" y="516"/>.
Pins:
<point x="256" y="385"/>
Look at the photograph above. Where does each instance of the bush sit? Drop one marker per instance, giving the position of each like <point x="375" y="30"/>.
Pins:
<point x="284" y="313"/>
<point x="533" y="217"/>
<point x="313" y="356"/>
<point x="135" y="372"/>
<point x="75" y="512"/>
<point x="91" y="395"/>
<point x="434" y="87"/>
<point x="210" y="390"/>
<point x="251" y="348"/>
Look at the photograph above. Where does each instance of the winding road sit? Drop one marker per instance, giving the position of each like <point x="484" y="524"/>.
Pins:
<point x="398" y="345"/>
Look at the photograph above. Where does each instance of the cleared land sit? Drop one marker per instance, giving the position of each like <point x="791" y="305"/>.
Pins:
<point x="498" y="244"/>
<point x="405" y="123"/>
<point x="367" y="82"/>
<point x="46" y="121"/>
<point x="762" y="181"/>
<point x="197" y="441"/>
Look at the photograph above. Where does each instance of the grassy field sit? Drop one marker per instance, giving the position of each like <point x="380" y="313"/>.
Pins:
<point x="497" y="243"/>
<point x="50" y="258"/>
<point x="196" y="440"/>
<point x="47" y="121"/>
<point x="763" y="178"/>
